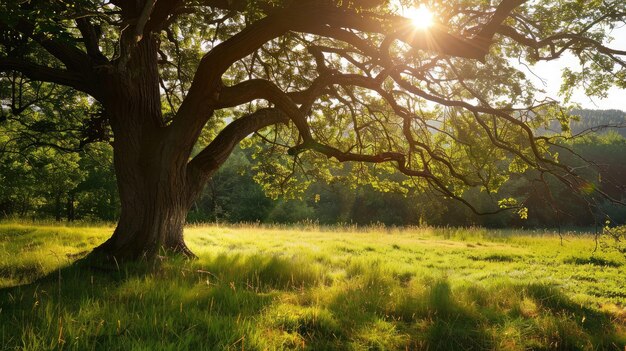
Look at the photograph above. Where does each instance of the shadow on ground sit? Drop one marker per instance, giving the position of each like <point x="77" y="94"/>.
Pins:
<point x="267" y="302"/>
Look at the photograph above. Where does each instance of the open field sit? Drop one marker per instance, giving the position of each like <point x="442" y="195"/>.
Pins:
<point x="263" y="288"/>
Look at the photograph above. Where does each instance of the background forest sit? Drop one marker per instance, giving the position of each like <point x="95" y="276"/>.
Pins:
<point x="46" y="182"/>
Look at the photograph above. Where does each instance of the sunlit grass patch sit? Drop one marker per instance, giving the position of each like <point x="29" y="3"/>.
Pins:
<point x="281" y="288"/>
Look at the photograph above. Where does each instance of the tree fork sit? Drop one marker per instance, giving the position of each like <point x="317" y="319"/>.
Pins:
<point x="155" y="191"/>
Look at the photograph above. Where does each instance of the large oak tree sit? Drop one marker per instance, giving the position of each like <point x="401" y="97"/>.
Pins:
<point x="349" y="80"/>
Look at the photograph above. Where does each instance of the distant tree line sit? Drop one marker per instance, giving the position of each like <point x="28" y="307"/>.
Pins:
<point x="600" y="121"/>
<point x="48" y="183"/>
<point x="234" y="196"/>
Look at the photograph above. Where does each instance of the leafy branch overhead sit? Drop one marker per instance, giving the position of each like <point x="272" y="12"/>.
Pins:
<point x="349" y="80"/>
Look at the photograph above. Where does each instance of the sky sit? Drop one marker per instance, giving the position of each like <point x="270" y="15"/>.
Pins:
<point x="551" y="73"/>
<point x="547" y="75"/>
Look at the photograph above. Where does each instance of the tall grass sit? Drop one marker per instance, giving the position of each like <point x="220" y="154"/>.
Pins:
<point x="310" y="287"/>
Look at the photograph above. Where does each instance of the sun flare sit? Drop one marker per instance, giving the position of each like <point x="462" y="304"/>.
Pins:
<point x="421" y="16"/>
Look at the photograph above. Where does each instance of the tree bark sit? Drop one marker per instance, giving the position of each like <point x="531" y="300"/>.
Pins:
<point x="154" y="190"/>
<point x="70" y="207"/>
<point x="153" y="214"/>
<point x="155" y="195"/>
<point x="157" y="182"/>
<point x="57" y="207"/>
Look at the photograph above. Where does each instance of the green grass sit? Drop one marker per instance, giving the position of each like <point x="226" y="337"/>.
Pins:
<point x="292" y="288"/>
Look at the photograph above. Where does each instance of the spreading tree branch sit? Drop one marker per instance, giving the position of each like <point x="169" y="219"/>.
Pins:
<point x="216" y="153"/>
<point x="44" y="74"/>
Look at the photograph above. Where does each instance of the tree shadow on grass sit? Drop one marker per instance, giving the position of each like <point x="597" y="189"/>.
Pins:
<point x="470" y="317"/>
<point x="573" y="322"/>
<point x="176" y="304"/>
<point x="430" y="319"/>
<point x="258" y="302"/>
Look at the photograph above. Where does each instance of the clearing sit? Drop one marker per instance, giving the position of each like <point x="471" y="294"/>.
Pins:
<point x="314" y="288"/>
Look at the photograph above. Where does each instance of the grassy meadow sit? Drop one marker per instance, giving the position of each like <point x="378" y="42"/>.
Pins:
<point x="312" y="288"/>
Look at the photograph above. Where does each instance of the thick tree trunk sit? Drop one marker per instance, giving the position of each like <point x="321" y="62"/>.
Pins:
<point x="154" y="189"/>
<point x="151" y="220"/>
<point x="155" y="195"/>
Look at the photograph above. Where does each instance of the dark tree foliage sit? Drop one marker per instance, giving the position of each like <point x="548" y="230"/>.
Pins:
<point x="233" y="196"/>
<point x="181" y="83"/>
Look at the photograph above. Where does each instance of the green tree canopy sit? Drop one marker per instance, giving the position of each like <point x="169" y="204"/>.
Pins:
<point x="345" y="80"/>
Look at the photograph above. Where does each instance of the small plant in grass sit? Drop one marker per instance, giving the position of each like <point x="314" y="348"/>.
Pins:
<point x="614" y="238"/>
